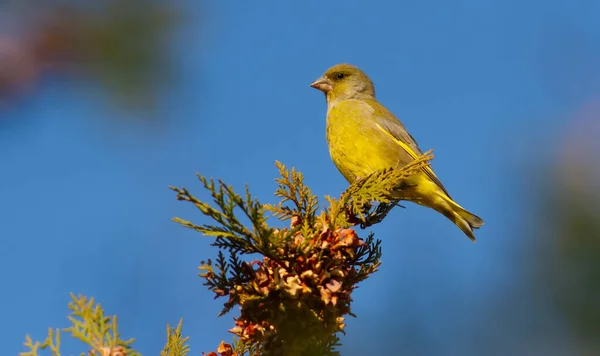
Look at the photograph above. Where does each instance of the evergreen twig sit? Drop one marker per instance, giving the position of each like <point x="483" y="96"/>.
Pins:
<point x="294" y="296"/>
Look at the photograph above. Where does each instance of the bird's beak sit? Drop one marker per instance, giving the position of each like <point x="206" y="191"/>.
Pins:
<point x="323" y="84"/>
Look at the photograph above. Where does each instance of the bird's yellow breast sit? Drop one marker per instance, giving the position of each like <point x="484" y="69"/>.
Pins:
<point x="357" y="146"/>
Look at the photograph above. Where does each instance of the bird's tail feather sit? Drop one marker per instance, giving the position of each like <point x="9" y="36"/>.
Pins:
<point x="465" y="220"/>
<point x="475" y="221"/>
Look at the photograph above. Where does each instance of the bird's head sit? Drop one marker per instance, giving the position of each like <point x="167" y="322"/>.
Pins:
<point x="345" y="81"/>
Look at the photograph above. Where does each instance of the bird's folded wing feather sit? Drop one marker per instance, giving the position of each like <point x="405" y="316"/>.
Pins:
<point x="391" y="126"/>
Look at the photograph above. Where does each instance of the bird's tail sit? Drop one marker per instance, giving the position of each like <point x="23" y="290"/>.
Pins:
<point x="465" y="220"/>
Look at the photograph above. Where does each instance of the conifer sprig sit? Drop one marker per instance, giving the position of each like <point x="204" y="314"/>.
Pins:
<point x="294" y="296"/>
<point x="368" y="200"/>
<point x="291" y="189"/>
<point x="176" y="343"/>
<point x="90" y="326"/>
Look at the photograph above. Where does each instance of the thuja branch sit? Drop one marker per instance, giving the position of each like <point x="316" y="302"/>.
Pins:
<point x="99" y="334"/>
<point x="229" y="231"/>
<point x="293" y="285"/>
<point x="90" y="326"/>
<point x="370" y="199"/>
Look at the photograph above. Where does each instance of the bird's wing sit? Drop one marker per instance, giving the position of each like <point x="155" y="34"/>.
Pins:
<point x="391" y="126"/>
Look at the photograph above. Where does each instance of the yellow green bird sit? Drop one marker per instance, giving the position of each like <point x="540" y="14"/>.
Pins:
<point x="365" y="137"/>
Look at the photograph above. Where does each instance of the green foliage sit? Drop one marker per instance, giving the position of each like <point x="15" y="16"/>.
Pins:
<point x="52" y="343"/>
<point x="230" y="232"/>
<point x="368" y="200"/>
<point x="176" y="344"/>
<point x="294" y="297"/>
<point x="244" y="348"/>
<point x="99" y="332"/>
<point x="571" y="263"/>
<point x="292" y="190"/>
<point x="124" y="48"/>
<point x="119" y="44"/>
<point x="89" y="325"/>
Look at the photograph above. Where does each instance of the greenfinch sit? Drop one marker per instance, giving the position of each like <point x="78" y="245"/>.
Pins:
<point x="364" y="137"/>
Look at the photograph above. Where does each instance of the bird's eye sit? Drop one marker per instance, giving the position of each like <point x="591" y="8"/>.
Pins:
<point x="340" y="75"/>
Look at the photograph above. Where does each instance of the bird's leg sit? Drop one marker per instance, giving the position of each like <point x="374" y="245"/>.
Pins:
<point x="403" y="191"/>
<point x="405" y="184"/>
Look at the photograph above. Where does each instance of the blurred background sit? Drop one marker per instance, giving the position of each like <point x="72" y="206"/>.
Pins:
<point x="105" y="104"/>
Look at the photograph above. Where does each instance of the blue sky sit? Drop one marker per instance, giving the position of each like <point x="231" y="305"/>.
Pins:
<point x="489" y="85"/>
